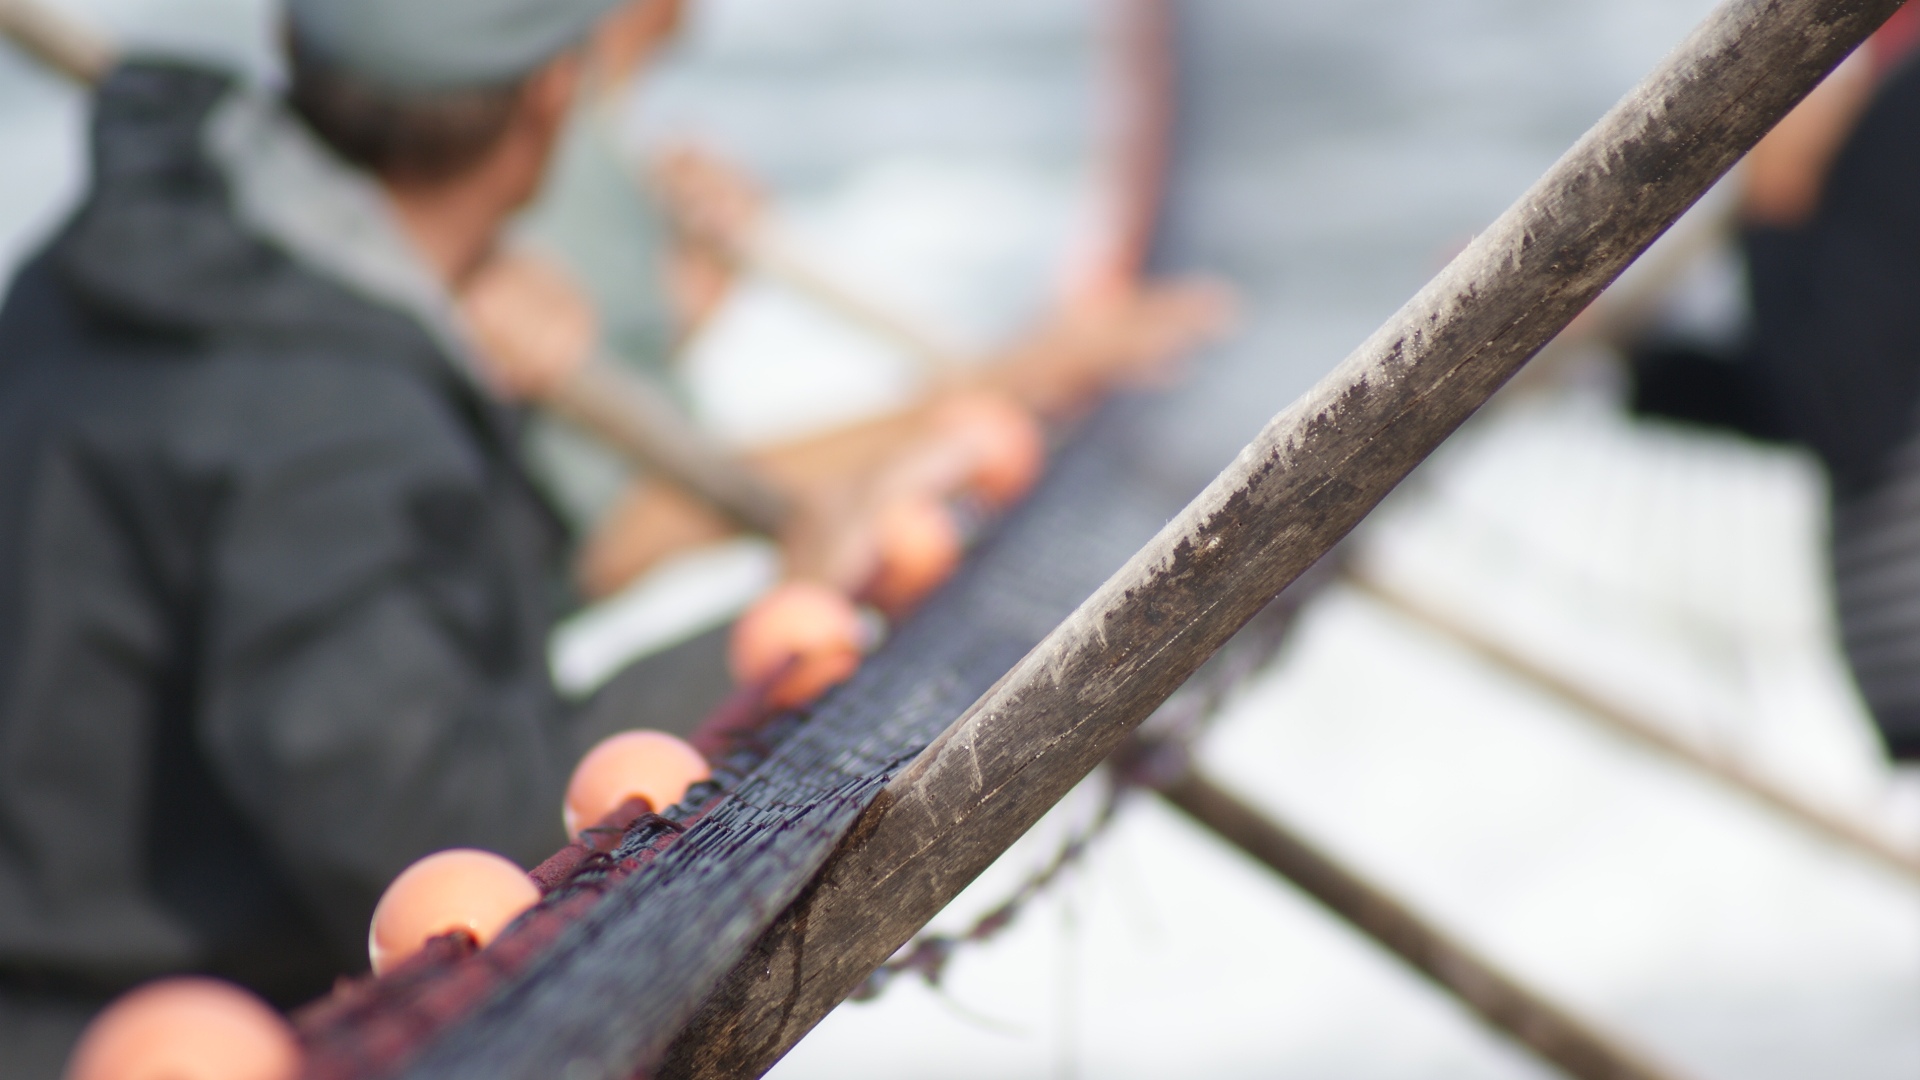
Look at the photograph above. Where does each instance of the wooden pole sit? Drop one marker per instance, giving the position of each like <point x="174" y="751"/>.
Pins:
<point x="1309" y="477"/>
<point x="1576" y="1046"/>
<point x="56" y="41"/>
<point x="1849" y="833"/>
<point x="1136" y="177"/>
<point x="639" y="421"/>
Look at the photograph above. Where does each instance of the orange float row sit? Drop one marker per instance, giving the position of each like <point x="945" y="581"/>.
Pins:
<point x="797" y="642"/>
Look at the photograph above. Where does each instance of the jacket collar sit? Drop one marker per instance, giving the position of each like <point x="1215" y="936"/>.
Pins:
<point x="290" y="190"/>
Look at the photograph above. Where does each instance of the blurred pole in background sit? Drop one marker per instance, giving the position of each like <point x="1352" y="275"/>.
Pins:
<point x="1551" y="1031"/>
<point x="1837" y="828"/>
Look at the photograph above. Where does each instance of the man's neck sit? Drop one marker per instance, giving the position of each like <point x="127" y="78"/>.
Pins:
<point x="452" y="224"/>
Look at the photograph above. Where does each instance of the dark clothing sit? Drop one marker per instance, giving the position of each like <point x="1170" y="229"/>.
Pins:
<point x="1837" y="302"/>
<point x="38" y="1028"/>
<point x="1837" y="321"/>
<point x="1704" y="386"/>
<point x="1834" y="362"/>
<point x="274" y="590"/>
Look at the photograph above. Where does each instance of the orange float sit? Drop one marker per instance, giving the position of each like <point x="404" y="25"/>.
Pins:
<point x="919" y="545"/>
<point x="186" y="1029"/>
<point x="803" y="636"/>
<point x="650" y="765"/>
<point x="1009" y="449"/>
<point x="459" y="889"/>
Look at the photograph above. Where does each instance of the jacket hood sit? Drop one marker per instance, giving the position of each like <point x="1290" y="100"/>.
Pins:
<point x="213" y="214"/>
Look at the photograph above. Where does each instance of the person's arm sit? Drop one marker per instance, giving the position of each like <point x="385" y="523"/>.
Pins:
<point x="1120" y="334"/>
<point x="374" y="684"/>
<point x="1133" y="337"/>
<point x="1784" y="174"/>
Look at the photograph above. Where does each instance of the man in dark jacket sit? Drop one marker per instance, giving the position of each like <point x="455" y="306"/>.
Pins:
<point x="274" y="589"/>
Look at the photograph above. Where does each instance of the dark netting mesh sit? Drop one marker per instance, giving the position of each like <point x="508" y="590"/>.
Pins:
<point x="636" y="928"/>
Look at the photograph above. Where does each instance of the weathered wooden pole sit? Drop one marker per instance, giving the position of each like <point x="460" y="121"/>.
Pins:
<point x="1824" y="822"/>
<point x="1310" y="476"/>
<point x="1576" y="1046"/>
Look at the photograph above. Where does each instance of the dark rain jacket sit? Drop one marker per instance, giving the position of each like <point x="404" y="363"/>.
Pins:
<point x="1837" y="336"/>
<point x="274" y="590"/>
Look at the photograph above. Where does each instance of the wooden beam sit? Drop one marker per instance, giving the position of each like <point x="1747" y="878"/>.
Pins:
<point x="1310" y="476"/>
<point x="1578" y="1047"/>
<point x="1842" y="829"/>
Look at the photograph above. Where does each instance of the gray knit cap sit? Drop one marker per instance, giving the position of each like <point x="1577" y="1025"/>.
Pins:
<point x="429" y="45"/>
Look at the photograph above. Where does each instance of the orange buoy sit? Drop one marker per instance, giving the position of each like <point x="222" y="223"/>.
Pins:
<point x="186" y="1029"/>
<point x="805" y="634"/>
<point x="650" y="765"/>
<point x="1008" y="446"/>
<point x="458" y="889"/>
<point x="919" y="545"/>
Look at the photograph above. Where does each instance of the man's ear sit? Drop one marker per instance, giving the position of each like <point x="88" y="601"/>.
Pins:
<point x="548" y="98"/>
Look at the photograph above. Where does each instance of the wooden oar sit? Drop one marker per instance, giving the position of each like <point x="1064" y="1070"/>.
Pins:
<point x="624" y="411"/>
<point x="1308" y="479"/>
<point x="1577" y="1046"/>
<point x="1852" y="834"/>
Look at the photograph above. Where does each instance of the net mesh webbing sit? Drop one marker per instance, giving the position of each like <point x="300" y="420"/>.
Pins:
<point x="632" y="936"/>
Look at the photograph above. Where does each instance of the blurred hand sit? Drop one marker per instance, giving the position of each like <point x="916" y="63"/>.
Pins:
<point x="651" y="523"/>
<point x="532" y="324"/>
<point x="834" y="537"/>
<point x="839" y="485"/>
<point x="708" y="197"/>
<point x="698" y="280"/>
